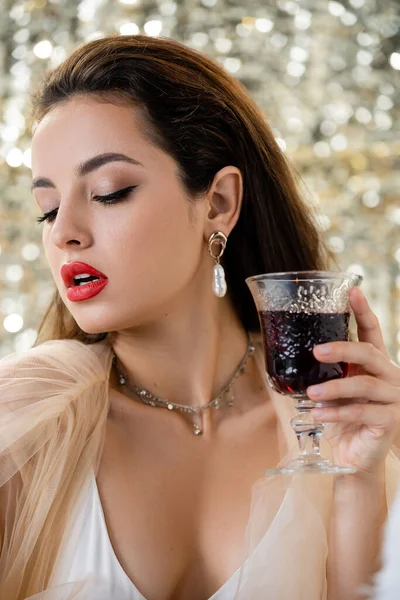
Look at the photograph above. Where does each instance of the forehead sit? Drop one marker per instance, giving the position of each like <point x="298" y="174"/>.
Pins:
<point x="73" y="131"/>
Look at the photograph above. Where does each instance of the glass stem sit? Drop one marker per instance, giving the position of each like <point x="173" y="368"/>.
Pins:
<point x="308" y="431"/>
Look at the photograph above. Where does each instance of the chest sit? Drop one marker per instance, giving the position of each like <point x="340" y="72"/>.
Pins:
<point x="176" y="505"/>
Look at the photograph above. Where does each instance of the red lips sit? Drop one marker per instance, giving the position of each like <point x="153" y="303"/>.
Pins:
<point x="69" y="271"/>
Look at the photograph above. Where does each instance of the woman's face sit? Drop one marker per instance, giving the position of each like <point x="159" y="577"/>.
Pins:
<point x="149" y="244"/>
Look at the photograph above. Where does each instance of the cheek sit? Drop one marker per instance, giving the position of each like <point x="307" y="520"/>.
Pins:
<point x="158" y="245"/>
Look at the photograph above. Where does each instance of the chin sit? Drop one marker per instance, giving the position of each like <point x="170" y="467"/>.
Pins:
<point x="94" y="330"/>
<point x="95" y="325"/>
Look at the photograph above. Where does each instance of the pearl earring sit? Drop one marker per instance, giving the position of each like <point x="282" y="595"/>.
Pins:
<point x="219" y="284"/>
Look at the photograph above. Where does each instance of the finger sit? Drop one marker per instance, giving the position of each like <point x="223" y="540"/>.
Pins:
<point x="371" y="415"/>
<point x="368" y="327"/>
<point x="361" y="386"/>
<point x="360" y="353"/>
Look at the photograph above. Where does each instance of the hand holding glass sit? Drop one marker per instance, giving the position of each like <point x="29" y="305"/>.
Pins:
<point x="298" y="311"/>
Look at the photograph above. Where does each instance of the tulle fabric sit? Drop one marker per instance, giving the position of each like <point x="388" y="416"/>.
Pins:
<point x="54" y="403"/>
<point x="286" y="544"/>
<point x="53" y="410"/>
<point x="289" y="523"/>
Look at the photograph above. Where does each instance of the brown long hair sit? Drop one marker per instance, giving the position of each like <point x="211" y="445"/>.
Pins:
<point x="205" y="119"/>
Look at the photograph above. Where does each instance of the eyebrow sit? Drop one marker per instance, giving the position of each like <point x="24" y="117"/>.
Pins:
<point x="87" y="167"/>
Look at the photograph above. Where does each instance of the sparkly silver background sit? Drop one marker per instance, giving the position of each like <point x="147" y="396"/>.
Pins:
<point x="326" y="75"/>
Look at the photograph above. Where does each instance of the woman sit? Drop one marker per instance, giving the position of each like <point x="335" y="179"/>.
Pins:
<point x="104" y="494"/>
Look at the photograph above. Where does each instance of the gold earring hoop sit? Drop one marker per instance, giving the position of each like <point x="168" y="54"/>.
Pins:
<point x="219" y="286"/>
<point x="219" y="238"/>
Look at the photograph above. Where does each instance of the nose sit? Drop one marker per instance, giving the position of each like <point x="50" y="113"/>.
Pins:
<point x="71" y="227"/>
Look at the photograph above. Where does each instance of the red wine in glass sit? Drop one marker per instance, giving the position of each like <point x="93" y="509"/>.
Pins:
<point x="289" y="339"/>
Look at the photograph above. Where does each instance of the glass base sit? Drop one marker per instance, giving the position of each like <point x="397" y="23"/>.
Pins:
<point x="309" y="464"/>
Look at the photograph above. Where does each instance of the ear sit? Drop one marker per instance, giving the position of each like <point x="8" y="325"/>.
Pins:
<point x="224" y="201"/>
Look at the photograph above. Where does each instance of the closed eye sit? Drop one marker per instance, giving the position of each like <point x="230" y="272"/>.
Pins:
<point x="108" y="199"/>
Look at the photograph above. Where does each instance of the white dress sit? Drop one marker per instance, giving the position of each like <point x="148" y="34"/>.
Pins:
<point x="88" y="551"/>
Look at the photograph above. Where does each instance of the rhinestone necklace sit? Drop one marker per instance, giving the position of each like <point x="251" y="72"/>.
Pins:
<point x="196" y="412"/>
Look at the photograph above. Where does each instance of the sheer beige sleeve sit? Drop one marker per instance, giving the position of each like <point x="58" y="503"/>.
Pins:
<point x="286" y="543"/>
<point x="53" y="409"/>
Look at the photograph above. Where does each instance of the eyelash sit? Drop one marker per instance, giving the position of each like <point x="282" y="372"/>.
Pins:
<point x="109" y="199"/>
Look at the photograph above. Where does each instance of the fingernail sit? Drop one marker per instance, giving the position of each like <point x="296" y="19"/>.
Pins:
<point x="325" y="349"/>
<point x="316" y="390"/>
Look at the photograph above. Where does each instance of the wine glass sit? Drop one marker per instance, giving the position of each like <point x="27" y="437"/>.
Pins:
<point x="297" y="311"/>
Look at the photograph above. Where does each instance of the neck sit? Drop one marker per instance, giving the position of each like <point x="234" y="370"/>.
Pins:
<point x="183" y="359"/>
